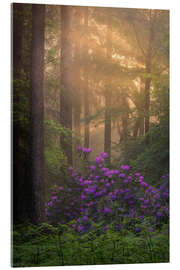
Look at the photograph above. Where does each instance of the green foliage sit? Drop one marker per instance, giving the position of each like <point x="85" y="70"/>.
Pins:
<point x="55" y="159"/>
<point x="21" y="102"/>
<point x="46" y="247"/>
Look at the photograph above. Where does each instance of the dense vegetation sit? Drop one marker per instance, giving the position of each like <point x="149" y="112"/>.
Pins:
<point x="90" y="135"/>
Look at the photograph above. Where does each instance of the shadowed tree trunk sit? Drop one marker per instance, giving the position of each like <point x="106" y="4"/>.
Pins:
<point x="37" y="113"/>
<point x="17" y="65"/>
<point x="66" y="80"/>
<point x="86" y="83"/>
<point x="77" y="84"/>
<point x="148" y="74"/>
<point x="108" y="93"/>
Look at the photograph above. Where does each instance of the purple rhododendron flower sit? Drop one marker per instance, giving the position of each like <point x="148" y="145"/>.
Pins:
<point x="141" y="178"/>
<point x="107" y="184"/>
<point x="99" y="159"/>
<point x="80" y="228"/>
<point x="83" y="197"/>
<point x="50" y="203"/>
<point x="84" y="218"/>
<point x="53" y="198"/>
<point x="159" y="214"/>
<point x="125" y="167"/>
<point x="107" y="210"/>
<point x="106" y="228"/>
<point x="126" y="181"/>
<point x="92" y="168"/>
<point x="122" y="175"/>
<point x="137" y="174"/>
<point x="144" y="184"/>
<point x="138" y="229"/>
<point x="104" y="155"/>
<point x="118" y="227"/>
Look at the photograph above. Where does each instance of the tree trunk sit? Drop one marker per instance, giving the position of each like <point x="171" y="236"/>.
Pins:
<point x="77" y="84"/>
<point x="107" y="128"/>
<point x="17" y="65"/>
<point x="37" y="113"/>
<point x="66" y="81"/>
<point x="86" y="83"/>
<point x="148" y="79"/>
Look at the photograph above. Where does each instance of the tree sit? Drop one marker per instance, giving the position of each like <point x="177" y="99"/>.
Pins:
<point x="66" y="80"/>
<point x="86" y="79"/>
<point x="37" y="113"/>
<point x="107" y="95"/>
<point x="17" y="65"/>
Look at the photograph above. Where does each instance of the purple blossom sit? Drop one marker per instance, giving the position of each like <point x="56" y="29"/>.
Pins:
<point x="146" y="201"/>
<point x="83" y="197"/>
<point x="138" y="229"/>
<point x="107" y="210"/>
<point x="107" y="184"/>
<point x="92" y="168"/>
<point x="126" y="181"/>
<point x="78" y="220"/>
<point x="137" y="174"/>
<point x="84" y="218"/>
<point x="99" y="159"/>
<point x="106" y="228"/>
<point x="144" y="184"/>
<point x="53" y="198"/>
<point x="80" y="228"/>
<point x="104" y="155"/>
<point x="141" y="178"/>
<point x="159" y="214"/>
<point x="129" y="178"/>
<point x="79" y="148"/>
<point x="125" y="167"/>
<point x="118" y="227"/>
<point x="50" y="203"/>
<point x="122" y="175"/>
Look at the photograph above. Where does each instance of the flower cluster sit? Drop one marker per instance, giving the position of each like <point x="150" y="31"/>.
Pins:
<point x="108" y="195"/>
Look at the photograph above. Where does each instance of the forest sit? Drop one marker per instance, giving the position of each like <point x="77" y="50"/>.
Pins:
<point x="90" y="120"/>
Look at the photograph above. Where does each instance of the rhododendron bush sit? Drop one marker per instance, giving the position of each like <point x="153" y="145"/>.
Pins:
<point x="112" y="197"/>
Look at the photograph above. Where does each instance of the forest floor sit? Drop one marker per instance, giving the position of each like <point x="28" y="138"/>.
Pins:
<point x="45" y="246"/>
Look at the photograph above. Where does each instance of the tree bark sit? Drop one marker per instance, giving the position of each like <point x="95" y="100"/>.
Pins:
<point x="86" y="80"/>
<point x="77" y="83"/>
<point x="107" y="128"/>
<point x="148" y="79"/>
<point x="37" y="113"/>
<point x="66" y="81"/>
<point x="16" y="68"/>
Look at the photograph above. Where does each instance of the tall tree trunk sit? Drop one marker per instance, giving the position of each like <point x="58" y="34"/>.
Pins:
<point x="148" y="73"/>
<point x="66" y="80"/>
<point x="17" y="65"/>
<point x="107" y="128"/>
<point x="77" y="84"/>
<point x="37" y="113"/>
<point x="86" y="83"/>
